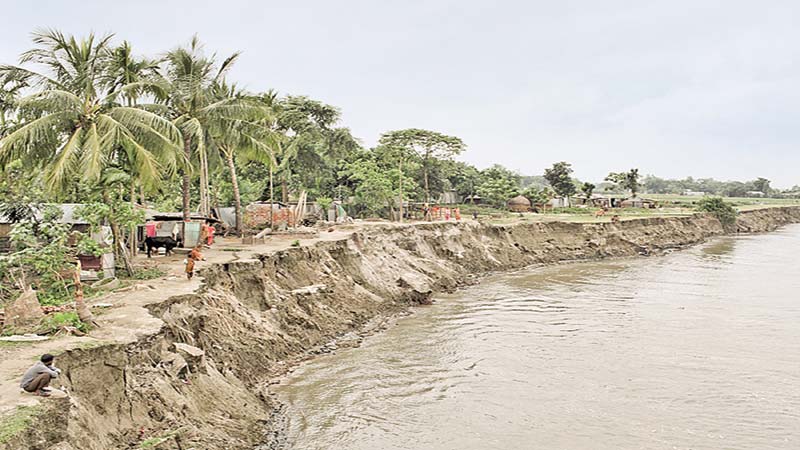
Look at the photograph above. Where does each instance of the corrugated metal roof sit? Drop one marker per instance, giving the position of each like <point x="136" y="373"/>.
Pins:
<point x="68" y="214"/>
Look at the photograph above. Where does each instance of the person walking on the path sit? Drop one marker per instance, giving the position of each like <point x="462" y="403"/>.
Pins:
<point x="194" y="256"/>
<point x="38" y="377"/>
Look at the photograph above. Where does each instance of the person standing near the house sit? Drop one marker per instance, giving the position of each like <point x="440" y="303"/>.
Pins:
<point x="150" y="228"/>
<point x="211" y="231"/>
<point x="38" y="377"/>
<point x="203" y="239"/>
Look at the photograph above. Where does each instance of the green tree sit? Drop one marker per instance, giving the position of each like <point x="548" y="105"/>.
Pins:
<point x="373" y="186"/>
<point x="249" y="135"/>
<point x="762" y="185"/>
<point x="72" y="125"/>
<point x="560" y="179"/>
<point x="587" y="189"/>
<point x="312" y="145"/>
<point x="462" y="177"/>
<point x="539" y="196"/>
<point x="719" y="209"/>
<point x="185" y="92"/>
<point x="626" y="180"/>
<point x="430" y="146"/>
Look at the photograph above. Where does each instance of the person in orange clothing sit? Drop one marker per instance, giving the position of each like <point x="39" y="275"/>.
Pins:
<point x="194" y="255"/>
<point x="203" y="239"/>
<point x="211" y="231"/>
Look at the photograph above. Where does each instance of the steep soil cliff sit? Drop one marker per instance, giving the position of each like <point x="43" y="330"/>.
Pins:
<point x="202" y="380"/>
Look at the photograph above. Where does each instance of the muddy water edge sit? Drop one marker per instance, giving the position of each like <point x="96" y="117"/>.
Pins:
<point x="698" y="349"/>
<point x="255" y="318"/>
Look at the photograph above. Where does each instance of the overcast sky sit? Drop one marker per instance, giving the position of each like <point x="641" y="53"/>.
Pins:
<point x="675" y="88"/>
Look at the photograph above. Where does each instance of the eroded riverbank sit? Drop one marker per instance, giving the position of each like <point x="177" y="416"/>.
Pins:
<point x="255" y="317"/>
<point x="698" y="349"/>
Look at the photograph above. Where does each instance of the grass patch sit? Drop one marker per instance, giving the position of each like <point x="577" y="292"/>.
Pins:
<point x="17" y="422"/>
<point x="13" y="344"/>
<point x="148" y="273"/>
<point x="53" y="322"/>
<point x="158" y="440"/>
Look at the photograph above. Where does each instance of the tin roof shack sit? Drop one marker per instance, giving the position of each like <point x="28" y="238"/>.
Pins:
<point x="449" y="197"/>
<point x="171" y="224"/>
<point x="638" y="202"/>
<point x="473" y="199"/>
<point x="596" y="200"/>
<point x="91" y="265"/>
<point x="519" y="204"/>
<point x="67" y="216"/>
<point x="559" y="202"/>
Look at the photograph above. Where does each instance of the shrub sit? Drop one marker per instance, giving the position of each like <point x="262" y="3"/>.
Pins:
<point x="719" y="209"/>
<point x="149" y="273"/>
<point x="53" y="322"/>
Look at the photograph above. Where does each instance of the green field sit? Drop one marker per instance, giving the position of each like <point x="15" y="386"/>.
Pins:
<point x="670" y="206"/>
<point x="737" y="201"/>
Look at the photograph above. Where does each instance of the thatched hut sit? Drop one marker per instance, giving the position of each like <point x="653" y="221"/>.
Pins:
<point x="519" y="204"/>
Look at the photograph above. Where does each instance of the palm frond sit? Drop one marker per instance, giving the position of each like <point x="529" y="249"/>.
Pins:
<point x="32" y="134"/>
<point x="93" y="157"/>
<point x="65" y="160"/>
<point x="52" y="100"/>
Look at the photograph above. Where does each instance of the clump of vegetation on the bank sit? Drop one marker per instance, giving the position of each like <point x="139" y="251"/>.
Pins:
<point x="42" y="257"/>
<point x="148" y="273"/>
<point x="54" y="322"/>
<point x="719" y="209"/>
<point x="158" y="440"/>
<point x="17" y="422"/>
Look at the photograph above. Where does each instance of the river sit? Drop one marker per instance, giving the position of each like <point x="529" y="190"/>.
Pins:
<point x="699" y="349"/>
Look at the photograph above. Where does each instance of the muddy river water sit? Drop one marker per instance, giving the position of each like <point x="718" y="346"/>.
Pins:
<point x="699" y="349"/>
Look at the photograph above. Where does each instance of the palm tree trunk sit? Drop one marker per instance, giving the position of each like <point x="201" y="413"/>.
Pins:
<point x="132" y="240"/>
<point x="271" y="197"/>
<point x="203" y="184"/>
<point x="187" y="153"/>
<point x="206" y="186"/>
<point x="236" y="197"/>
<point x="119" y="246"/>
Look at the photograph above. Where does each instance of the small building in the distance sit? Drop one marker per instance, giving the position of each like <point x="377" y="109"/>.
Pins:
<point x="519" y="203"/>
<point x="638" y="202"/>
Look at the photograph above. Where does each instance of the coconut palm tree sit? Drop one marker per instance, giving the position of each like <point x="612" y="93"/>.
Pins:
<point x="125" y="72"/>
<point x="186" y="89"/>
<point x="249" y="135"/>
<point x="72" y="122"/>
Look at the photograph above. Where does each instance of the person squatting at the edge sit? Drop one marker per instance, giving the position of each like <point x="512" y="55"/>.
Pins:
<point x="38" y="377"/>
